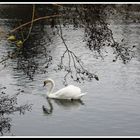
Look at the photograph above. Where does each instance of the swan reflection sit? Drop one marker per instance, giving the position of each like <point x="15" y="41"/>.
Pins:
<point x="65" y="104"/>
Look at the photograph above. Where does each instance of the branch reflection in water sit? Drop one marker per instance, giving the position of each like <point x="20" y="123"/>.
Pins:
<point x="66" y="104"/>
<point x="8" y="106"/>
<point x="35" y="54"/>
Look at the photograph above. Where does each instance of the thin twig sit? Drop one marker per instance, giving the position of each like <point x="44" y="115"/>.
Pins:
<point x="33" y="15"/>
<point x="35" y="20"/>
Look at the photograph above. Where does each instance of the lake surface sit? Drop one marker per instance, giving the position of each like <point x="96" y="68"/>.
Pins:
<point x="111" y="106"/>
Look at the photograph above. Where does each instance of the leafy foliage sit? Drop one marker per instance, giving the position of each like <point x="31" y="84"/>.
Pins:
<point x="97" y="35"/>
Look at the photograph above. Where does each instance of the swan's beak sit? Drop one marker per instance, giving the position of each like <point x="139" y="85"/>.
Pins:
<point x="44" y="84"/>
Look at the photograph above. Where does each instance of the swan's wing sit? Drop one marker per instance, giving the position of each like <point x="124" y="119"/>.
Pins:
<point x="70" y="92"/>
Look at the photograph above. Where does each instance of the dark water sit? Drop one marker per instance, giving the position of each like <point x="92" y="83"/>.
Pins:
<point x="111" y="106"/>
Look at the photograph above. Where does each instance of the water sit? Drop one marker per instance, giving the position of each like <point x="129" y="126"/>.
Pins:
<point x="111" y="106"/>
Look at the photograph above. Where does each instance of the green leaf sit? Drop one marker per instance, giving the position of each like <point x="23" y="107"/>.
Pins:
<point x="19" y="43"/>
<point x="12" y="38"/>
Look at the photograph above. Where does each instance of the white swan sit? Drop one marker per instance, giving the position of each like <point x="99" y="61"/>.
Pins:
<point x="70" y="92"/>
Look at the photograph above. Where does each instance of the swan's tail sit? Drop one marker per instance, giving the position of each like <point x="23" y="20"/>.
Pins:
<point x="82" y="94"/>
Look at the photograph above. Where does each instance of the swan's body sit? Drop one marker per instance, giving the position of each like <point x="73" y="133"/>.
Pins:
<point x="70" y="92"/>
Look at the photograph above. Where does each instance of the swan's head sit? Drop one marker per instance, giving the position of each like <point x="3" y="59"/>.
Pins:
<point x="48" y="81"/>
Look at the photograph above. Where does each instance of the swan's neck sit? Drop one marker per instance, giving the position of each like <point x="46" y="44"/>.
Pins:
<point x="51" y="88"/>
